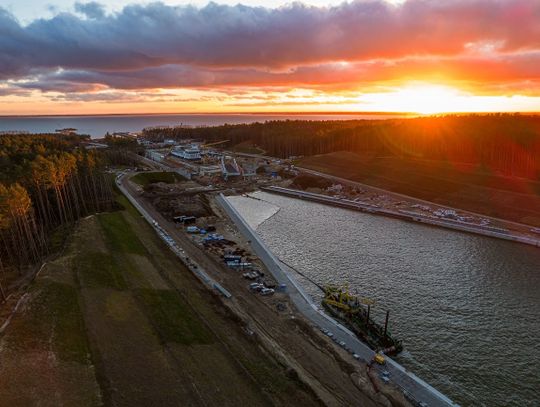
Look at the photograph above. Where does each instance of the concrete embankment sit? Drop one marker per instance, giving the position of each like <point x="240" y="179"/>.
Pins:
<point x="416" y="389"/>
<point x="409" y="216"/>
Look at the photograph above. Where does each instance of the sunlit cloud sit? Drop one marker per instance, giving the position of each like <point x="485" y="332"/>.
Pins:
<point x="475" y="55"/>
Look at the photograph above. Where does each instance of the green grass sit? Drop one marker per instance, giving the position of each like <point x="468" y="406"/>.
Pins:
<point x="121" y="199"/>
<point x="173" y="318"/>
<point x="124" y="202"/>
<point x="113" y="269"/>
<point x="100" y="270"/>
<point x="119" y="235"/>
<point x="146" y="178"/>
<point x="53" y="318"/>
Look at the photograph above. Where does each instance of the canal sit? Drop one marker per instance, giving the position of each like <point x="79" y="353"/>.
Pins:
<point x="467" y="307"/>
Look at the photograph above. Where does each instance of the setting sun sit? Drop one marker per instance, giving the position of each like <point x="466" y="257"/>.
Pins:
<point x="426" y="98"/>
<point x="423" y="99"/>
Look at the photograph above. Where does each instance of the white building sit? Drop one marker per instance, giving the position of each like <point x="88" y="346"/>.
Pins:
<point x="191" y="152"/>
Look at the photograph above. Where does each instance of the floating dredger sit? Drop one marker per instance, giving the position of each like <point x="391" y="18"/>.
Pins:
<point x="355" y="315"/>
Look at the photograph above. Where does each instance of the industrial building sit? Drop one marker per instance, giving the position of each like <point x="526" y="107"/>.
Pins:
<point x="190" y="152"/>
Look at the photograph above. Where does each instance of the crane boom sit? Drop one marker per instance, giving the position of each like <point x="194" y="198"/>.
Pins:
<point x="215" y="144"/>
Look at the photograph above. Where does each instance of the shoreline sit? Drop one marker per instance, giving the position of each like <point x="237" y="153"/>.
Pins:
<point x="488" y="231"/>
<point x="277" y="113"/>
<point x="258" y="223"/>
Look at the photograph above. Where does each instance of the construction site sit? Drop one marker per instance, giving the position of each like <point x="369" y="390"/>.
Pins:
<point x="233" y="172"/>
<point x="182" y="272"/>
<point x="170" y="306"/>
<point x="188" y="218"/>
<point x="190" y="213"/>
<point x="195" y="210"/>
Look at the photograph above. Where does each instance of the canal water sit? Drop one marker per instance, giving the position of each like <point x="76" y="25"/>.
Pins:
<point x="467" y="307"/>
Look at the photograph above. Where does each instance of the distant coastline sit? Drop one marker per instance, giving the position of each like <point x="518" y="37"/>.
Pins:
<point x="98" y="125"/>
<point x="284" y="113"/>
<point x="330" y="113"/>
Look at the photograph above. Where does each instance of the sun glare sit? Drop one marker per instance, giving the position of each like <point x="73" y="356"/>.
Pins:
<point x="421" y="98"/>
<point x="428" y="99"/>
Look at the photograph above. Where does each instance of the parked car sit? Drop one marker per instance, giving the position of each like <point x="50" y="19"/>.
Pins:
<point x="267" y="291"/>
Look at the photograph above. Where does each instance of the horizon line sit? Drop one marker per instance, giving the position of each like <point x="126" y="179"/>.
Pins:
<point x="293" y="113"/>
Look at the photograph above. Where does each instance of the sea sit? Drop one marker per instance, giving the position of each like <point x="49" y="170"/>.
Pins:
<point x="98" y="126"/>
<point x="466" y="307"/>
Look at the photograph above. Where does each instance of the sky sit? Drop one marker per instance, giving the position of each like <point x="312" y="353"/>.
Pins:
<point x="128" y="56"/>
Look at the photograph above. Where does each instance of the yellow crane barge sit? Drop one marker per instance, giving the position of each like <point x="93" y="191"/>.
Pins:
<point x="355" y="315"/>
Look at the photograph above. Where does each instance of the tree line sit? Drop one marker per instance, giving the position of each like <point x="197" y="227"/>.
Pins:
<point x="122" y="150"/>
<point x="46" y="182"/>
<point x="505" y="143"/>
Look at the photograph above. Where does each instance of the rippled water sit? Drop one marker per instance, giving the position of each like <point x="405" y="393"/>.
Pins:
<point x="466" y="307"/>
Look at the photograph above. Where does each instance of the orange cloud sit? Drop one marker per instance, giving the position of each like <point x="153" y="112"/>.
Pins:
<point x="485" y="47"/>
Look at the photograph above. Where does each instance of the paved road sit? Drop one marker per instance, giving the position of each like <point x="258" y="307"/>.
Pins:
<point x="418" y="390"/>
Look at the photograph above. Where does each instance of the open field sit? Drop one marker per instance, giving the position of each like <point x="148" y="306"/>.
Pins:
<point x="145" y="178"/>
<point x="463" y="187"/>
<point x="119" y="321"/>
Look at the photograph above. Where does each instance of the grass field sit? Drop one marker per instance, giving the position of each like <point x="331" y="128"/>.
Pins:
<point x="173" y="319"/>
<point x="461" y="186"/>
<point x="118" y="320"/>
<point x="146" y="178"/>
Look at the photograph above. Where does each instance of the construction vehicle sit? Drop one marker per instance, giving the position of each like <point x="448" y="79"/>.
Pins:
<point x="379" y="359"/>
<point x="355" y="314"/>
